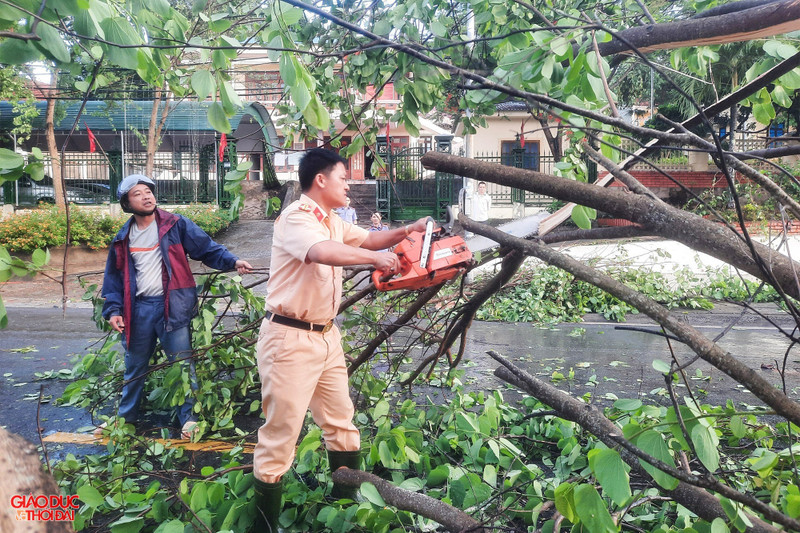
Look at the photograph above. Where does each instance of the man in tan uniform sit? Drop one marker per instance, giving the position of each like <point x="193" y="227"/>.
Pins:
<point x="300" y="358"/>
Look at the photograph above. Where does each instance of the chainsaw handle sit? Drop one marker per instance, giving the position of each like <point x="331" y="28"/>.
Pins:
<point x="379" y="279"/>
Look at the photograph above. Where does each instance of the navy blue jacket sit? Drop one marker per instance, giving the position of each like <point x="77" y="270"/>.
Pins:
<point x="178" y="236"/>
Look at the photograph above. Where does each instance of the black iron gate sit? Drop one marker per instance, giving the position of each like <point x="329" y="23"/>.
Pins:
<point x="410" y="191"/>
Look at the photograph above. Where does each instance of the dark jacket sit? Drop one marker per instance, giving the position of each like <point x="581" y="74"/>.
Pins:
<point x="177" y="237"/>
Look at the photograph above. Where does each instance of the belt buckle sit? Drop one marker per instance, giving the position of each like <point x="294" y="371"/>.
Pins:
<point x="327" y="327"/>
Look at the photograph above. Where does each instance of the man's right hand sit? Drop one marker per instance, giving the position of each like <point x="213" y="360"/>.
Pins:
<point x="386" y="262"/>
<point x="117" y="323"/>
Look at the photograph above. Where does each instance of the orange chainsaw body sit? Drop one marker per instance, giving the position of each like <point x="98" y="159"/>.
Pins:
<point x="448" y="257"/>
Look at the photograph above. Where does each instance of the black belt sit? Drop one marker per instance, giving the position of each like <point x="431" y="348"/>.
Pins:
<point x="299" y="324"/>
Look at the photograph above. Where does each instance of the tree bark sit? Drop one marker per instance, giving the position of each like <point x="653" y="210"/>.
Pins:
<point x="454" y="520"/>
<point x="763" y="21"/>
<point x="52" y="149"/>
<point x="22" y="474"/>
<point x="654" y="216"/>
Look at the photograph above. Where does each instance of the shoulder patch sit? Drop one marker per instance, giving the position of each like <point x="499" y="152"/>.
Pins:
<point x="319" y="214"/>
<point x="304" y="207"/>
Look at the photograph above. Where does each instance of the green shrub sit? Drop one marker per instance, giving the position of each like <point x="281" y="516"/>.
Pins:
<point x="208" y="217"/>
<point x="46" y="228"/>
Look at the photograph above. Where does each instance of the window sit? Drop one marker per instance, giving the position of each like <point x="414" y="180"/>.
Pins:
<point x="776" y="130"/>
<point x="529" y="154"/>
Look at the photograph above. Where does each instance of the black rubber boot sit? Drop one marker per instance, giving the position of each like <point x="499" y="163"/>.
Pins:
<point x="268" y="506"/>
<point x="337" y="460"/>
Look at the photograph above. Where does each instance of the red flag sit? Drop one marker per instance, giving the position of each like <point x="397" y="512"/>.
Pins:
<point x="223" y="143"/>
<point x="92" y="140"/>
<point x="387" y="131"/>
<point x="522" y="135"/>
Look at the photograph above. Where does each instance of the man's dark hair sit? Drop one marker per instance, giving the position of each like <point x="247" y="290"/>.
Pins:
<point x="315" y="161"/>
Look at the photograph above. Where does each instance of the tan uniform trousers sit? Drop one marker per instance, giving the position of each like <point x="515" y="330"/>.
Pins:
<point x="300" y="370"/>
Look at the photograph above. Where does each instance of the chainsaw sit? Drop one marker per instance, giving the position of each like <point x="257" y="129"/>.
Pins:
<point x="426" y="259"/>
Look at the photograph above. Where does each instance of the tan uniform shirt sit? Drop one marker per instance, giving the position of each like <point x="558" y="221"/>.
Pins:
<point x="297" y="288"/>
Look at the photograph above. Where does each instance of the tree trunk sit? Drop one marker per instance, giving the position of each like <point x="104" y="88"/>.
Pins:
<point x="22" y="474"/>
<point x="152" y="135"/>
<point x="52" y="149"/>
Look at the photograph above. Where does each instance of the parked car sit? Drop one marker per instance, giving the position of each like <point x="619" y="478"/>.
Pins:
<point x="28" y="192"/>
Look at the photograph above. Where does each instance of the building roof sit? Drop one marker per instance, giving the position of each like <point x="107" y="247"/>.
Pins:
<point x="116" y="116"/>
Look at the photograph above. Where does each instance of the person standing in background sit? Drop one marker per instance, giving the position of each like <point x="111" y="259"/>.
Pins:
<point x="347" y="213"/>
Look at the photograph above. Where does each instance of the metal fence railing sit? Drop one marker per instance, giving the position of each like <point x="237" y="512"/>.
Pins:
<point x="181" y="178"/>
<point x="503" y="195"/>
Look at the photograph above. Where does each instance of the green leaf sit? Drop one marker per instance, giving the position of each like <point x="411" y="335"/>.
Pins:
<point x="301" y="96"/>
<point x="173" y="526"/>
<point x="438" y="29"/>
<point x="611" y="473"/>
<point x="35" y="171"/>
<point x="592" y="510"/>
<point x="286" y="66"/>
<point x="217" y="118"/>
<point x="559" y="46"/>
<point x="438" y="476"/>
<point x="199" y="497"/>
<point x="371" y="494"/>
<point x="317" y="115"/>
<point x="203" y="84"/>
<point x="118" y="30"/>
<point x="40" y="257"/>
<point x="490" y="475"/>
<point x="219" y="26"/>
<point x="661" y="366"/>
<point x="90" y="496"/>
<point x="290" y="15"/>
<point x="781" y="50"/>
<point x="18" y="52"/>
<point x="565" y="501"/>
<point x="737" y="426"/>
<point x="781" y="97"/>
<point x="719" y="526"/>
<point x="652" y="443"/>
<point x="230" y="100"/>
<point x="9" y="159"/>
<point x="624" y="404"/>
<point x="705" y="443"/>
<point x="580" y="217"/>
<point x="764" y="464"/>
<point x="127" y="524"/>
<point x="52" y="44"/>
<point x="3" y="315"/>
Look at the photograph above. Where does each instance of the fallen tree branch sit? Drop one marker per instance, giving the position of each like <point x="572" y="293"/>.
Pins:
<point x="657" y="217"/>
<point x="389" y="330"/>
<point x="454" y="520"/>
<point x="697" y="500"/>
<point x="510" y="264"/>
<point x="699" y="343"/>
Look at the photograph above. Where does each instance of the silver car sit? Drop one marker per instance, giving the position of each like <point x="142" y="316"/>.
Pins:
<point x="28" y="192"/>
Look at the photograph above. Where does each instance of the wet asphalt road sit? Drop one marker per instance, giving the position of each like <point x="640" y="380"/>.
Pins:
<point x="593" y="356"/>
<point x="590" y="357"/>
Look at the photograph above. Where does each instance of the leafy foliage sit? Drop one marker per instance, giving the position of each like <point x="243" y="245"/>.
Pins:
<point x="511" y="464"/>
<point x="46" y="227"/>
<point x="547" y="295"/>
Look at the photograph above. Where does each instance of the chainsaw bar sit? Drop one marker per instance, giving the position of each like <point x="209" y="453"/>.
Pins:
<point x="522" y="228"/>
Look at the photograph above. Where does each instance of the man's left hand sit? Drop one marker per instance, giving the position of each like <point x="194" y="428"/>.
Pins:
<point x="243" y="267"/>
<point x="419" y="225"/>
